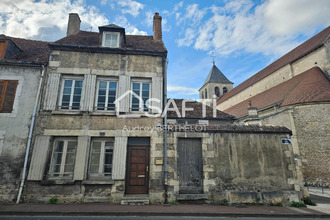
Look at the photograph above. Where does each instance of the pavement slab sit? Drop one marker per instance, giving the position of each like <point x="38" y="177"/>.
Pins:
<point x="153" y="210"/>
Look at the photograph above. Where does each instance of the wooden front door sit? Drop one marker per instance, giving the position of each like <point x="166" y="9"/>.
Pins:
<point x="137" y="172"/>
<point x="190" y="166"/>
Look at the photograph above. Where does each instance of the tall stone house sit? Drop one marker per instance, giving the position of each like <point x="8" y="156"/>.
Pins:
<point x="293" y="91"/>
<point x="82" y="136"/>
<point x="22" y="63"/>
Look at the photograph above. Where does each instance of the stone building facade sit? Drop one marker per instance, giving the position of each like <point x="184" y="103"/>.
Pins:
<point x="294" y="91"/>
<point x="87" y="145"/>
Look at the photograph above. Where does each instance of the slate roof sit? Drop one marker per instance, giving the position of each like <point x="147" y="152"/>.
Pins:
<point x="216" y="76"/>
<point x="133" y="42"/>
<point x="198" y="111"/>
<point x="307" y="87"/>
<point x="30" y="50"/>
<point x="303" y="49"/>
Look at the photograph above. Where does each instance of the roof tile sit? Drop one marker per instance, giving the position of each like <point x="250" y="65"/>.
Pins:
<point x="307" y="87"/>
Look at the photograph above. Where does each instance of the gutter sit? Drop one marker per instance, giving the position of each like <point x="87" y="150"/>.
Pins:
<point x="165" y="62"/>
<point x="30" y="135"/>
<point x="105" y="49"/>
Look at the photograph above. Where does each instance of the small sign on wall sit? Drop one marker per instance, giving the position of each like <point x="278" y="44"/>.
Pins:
<point x="159" y="161"/>
<point x="286" y="141"/>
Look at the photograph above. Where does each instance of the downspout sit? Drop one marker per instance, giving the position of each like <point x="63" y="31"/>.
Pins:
<point x="165" y="62"/>
<point x="30" y="136"/>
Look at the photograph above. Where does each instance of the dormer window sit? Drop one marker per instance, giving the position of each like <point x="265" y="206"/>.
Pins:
<point x="110" y="39"/>
<point x="112" y="36"/>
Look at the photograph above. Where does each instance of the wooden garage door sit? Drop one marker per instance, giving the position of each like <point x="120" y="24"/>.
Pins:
<point x="190" y="166"/>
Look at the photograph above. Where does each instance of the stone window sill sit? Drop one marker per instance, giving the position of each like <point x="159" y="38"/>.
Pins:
<point x="98" y="182"/>
<point x="57" y="182"/>
<point x="63" y="112"/>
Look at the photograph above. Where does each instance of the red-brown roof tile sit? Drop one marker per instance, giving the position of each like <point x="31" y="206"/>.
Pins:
<point x="308" y="87"/>
<point x="197" y="111"/>
<point x="307" y="47"/>
<point x="31" y="50"/>
<point x="92" y="39"/>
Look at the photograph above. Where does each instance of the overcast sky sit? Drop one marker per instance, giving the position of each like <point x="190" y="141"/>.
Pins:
<point x="244" y="35"/>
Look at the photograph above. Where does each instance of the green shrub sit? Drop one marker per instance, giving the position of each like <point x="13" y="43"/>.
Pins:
<point x="276" y="204"/>
<point x="298" y="204"/>
<point x="174" y="203"/>
<point x="308" y="201"/>
<point x="223" y="202"/>
<point x="53" y="200"/>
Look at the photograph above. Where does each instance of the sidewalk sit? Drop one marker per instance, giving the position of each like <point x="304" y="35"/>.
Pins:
<point x="156" y="210"/>
<point x="318" y="191"/>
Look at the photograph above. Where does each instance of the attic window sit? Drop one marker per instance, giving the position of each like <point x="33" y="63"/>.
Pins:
<point x="110" y="39"/>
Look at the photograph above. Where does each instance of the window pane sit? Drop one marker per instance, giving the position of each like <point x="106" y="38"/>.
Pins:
<point x="77" y="94"/>
<point x="101" y="95"/>
<point x="66" y="94"/>
<point x="95" y="157"/>
<point x="112" y="95"/>
<point x="108" y="151"/>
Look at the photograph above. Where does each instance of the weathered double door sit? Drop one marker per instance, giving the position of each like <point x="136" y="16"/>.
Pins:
<point x="190" y="166"/>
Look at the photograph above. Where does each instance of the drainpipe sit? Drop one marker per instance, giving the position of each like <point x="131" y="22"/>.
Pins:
<point x="30" y="136"/>
<point x="165" y="129"/>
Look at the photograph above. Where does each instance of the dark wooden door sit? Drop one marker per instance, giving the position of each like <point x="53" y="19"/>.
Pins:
<point x="137" y="172"/>
<point x="190" y="166"/>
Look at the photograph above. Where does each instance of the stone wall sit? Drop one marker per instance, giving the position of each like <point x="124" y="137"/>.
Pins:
<point x="312" y="124"/>
<point x="240" y="167"/>
<point x="14" y="128"/>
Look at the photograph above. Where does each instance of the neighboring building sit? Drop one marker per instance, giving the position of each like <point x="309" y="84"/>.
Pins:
<point x="87" y="148"/>
<point x="215" y="85"/>
<point x="294" y="91"/>
<point x="21" y="65"/>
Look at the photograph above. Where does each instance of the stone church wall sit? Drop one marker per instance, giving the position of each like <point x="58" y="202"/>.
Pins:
<point x="313" y="133"/>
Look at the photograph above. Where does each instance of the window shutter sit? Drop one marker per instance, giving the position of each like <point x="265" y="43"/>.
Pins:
<point x="8" y="90"/>
<point x="52" y="89"/>
<point x="124" y="86"/>
<point x="88" y="92"/>
<point x="156" y="92"/>
<point x="39" y="158"/>
<point x="119" y="158"/>
<point x="81" y="155"/>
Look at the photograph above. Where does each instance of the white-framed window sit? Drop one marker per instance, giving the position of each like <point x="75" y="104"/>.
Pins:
<point x="110" y="39"/>
<point x="63" y="158"/>
<point x="142" y="90"/>
<point x="106" y="95"/>
<point x="71" y="93"/>
<point x="101" y="157"/>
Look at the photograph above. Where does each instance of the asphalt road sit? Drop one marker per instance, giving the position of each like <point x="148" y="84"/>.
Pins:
<point x="140" y="218"/>
<point x="320" y="199"/>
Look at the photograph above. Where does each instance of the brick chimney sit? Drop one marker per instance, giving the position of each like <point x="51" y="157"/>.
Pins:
<point x="157" y="28"/>
<point x="73" y="24"/>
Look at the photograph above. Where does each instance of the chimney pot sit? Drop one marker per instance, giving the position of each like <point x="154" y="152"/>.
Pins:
<point x="157" y="27"/>
<point x="73" y="24"/>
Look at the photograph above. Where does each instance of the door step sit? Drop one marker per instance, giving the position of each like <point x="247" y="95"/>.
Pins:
<point x="134" y="202"/>
<point x="191" y="197"/>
